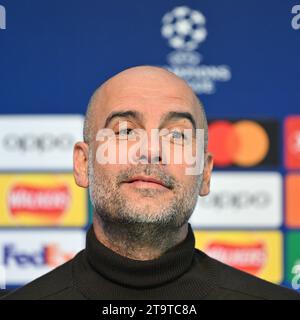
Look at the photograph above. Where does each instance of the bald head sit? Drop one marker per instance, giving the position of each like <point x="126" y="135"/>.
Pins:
<point x="144" y="83"/>
<point x="137" y="204"/>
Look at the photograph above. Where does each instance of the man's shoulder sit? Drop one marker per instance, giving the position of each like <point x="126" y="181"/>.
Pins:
<point x="232" y="283"/>
<point x="55" y="284"/>
<point x="3" y="293"/>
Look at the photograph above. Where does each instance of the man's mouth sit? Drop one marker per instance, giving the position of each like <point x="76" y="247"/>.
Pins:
<point x="146" y="182"/>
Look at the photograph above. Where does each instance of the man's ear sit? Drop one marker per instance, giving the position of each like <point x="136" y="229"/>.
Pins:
<point x="80" y="164"/>
<point x="208" y="166"/>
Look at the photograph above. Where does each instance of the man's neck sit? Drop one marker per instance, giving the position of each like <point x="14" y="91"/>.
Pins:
<point x="125" y="241"/>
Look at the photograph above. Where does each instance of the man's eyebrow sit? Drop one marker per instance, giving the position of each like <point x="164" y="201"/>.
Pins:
<point x="173" y="115"/>
<point x="123" y="114"/>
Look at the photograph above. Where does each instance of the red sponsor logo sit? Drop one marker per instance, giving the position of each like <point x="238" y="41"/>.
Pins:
<point x="292" y="142"/>
<point x="54" y="256"/>
<point x="249" y="258"/>
<point x="49" y="202"/>
<point x="243" y="143"/>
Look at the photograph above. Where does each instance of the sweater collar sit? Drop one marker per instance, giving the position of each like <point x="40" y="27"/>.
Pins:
<point x="140" y="274"/>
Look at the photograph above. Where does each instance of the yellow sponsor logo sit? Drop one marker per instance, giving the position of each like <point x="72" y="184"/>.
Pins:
<point x="41" y="200"/>
<point x="256" y="252"/>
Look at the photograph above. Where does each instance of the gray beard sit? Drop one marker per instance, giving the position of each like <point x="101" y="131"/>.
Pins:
<point x="132" y="227"/>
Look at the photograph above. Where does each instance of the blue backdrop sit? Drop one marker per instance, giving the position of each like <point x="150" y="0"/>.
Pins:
<point x="53" y="54"/>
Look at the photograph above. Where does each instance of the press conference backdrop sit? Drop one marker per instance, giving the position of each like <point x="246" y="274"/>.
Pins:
<point x="240" y="57"/>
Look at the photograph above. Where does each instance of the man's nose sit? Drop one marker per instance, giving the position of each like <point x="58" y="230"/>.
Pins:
<point x="151" y="148"/>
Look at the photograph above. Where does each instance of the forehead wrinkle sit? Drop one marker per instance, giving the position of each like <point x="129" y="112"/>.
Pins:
<point x="145" y="81"/>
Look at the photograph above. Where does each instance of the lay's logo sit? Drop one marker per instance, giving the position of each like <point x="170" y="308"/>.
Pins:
<point x="259" y="253"/>
<point x="249" y="258"/>
<point x="49" y="202"/>
<point x="31" y="200"/>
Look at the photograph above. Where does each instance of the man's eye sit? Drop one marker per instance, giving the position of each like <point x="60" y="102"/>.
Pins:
<point x="124" y="132"/>
<point x="177" y="135"/>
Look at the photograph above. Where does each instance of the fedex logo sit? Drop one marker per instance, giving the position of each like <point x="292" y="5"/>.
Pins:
<point x="49" y="255"/>
<point x="26" y="255"/>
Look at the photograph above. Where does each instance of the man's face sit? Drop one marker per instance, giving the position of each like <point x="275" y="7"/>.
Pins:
<point x="141" y="191"/>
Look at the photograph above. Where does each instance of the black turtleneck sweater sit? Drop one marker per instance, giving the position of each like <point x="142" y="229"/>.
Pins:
<point x="182" y="272"/>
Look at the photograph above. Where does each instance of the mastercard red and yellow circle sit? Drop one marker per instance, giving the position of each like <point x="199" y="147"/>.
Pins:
<point x="244" y="143"/>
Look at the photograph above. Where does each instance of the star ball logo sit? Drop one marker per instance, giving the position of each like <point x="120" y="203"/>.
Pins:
<point x="184" y="29"/>
<point x="2" y="18"/>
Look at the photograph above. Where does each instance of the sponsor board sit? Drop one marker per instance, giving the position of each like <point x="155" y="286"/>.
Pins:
<point x="41" y="200"/>
<point x="292" y="200"/>
<point x="39" y="142"/>
<point x="258" y="253"/>
<point x="292" y="142"/>
<point x="90" y="208"/>
<point x="292" y="272"/>
<point x="26" y="255"/>
<point x="244" y="143"/>
<point x="241" y="199"/>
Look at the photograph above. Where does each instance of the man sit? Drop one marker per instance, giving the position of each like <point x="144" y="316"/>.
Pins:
<point x="141" y="245"/>
<point x="3" y="292"/>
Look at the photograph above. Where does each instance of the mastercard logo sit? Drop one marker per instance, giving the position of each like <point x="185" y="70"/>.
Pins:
<point x="243" y="143"/>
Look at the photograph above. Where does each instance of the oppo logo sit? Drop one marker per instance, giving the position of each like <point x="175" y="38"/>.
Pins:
<point x="37" y="143"/>
<point x="237" y="200"/>
<point x="2" y="18"/>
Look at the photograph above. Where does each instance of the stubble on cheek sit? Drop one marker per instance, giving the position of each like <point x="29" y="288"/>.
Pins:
<point x="112" y="198"/>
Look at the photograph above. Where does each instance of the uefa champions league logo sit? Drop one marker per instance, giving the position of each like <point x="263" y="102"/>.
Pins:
<point x="2" y="18"/>
<point x="184" y="29"/>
